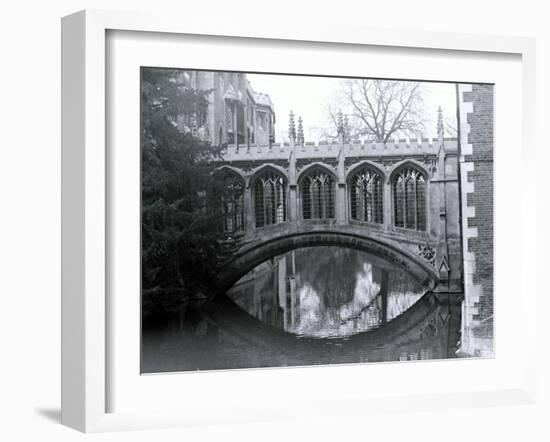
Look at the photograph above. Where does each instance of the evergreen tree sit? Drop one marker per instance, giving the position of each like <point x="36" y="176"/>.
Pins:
<point x="182" y="242"/>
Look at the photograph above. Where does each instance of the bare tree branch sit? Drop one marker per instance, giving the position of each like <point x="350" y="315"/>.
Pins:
<point x="381" y="109"/>
<point x="450" y="127"/>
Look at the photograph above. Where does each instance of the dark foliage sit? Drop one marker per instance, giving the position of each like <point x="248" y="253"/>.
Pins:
<point x="182" y="243"/>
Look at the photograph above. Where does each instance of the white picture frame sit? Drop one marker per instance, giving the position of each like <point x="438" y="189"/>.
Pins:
<point x="85" y="203"/>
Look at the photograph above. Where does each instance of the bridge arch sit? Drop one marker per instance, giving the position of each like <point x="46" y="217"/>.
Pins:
<point x="254" y="254"/>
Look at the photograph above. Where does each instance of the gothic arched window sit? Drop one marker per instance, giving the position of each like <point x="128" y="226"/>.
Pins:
<point x="232" y="202"/>
<point x="269" y="198"/>
<point x="409" y="199"/>
<point x="317" y="190"/>
<point x="366" y="196"/>
<point x="229" y="123"/>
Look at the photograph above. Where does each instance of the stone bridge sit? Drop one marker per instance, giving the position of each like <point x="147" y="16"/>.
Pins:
<point x="397" y="201"/>
<point x="385" y="251"/>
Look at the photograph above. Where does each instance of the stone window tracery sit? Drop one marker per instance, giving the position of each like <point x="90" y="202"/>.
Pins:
<point x="366" y="196"/>
<point x="232" y="203"/>
<point x="229" y="122"/>
<point x="317" y="191"/>
<point x="269" y="199"/>
<point x="409" y="199"/>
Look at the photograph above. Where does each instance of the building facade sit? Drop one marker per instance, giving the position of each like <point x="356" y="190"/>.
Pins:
<point x="236" y="115"/>
<point x="404" y="193"/>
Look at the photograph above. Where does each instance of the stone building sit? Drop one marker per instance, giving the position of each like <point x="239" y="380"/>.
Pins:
<point x="236" y="115"/>
<point x="403" y="194"/>
<point x="426" y="204"/>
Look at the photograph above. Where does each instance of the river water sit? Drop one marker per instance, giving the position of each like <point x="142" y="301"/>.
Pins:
<point x="317" y="305"/>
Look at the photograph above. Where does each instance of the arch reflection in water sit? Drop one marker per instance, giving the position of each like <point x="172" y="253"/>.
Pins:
<point x="319" y="305"/>
<point x="325" y="292"/>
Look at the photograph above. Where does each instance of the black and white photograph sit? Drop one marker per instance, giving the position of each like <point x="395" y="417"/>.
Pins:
<point x="233" y="221"/>
<point x="299" y="220"/>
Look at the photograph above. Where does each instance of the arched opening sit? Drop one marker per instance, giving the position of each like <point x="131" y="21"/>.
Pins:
<point x="229" y="121"/>
<point x="317" y="193"/>
<point x="409" y="199"/>
<point x="269" y="189"/>
<point x="232" y="196"/>
<point x="366" y="196"/>
<point x="248" y="258"/>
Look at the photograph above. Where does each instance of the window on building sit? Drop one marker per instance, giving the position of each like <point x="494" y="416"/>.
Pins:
<point x="232" y="202"/>
<point x="269" y="198"/>
<point x="229" y="123"/>
<point x="240" y="125"/>
<point x="409" y="199"/>
<point x="317" y="191"/>
<point x="261" y="119"/>
<point x="366" y="196"/>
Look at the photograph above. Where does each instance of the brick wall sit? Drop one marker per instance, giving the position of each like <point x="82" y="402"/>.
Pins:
<point x="481" y="139"/>
<point x="476" y="143"/>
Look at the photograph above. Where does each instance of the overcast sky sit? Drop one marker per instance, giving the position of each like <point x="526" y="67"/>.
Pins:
<point x="309" y="97"/>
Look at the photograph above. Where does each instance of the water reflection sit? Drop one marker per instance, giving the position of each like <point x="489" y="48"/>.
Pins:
<point x="321" y="305"/>
<point x="325" y="292"/>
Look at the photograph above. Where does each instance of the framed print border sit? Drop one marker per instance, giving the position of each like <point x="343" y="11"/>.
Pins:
<point x="86" y="202"/>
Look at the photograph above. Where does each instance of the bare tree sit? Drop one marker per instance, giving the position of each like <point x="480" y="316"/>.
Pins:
<point x="378" y="110"/>
<point x="450" y="127"/>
